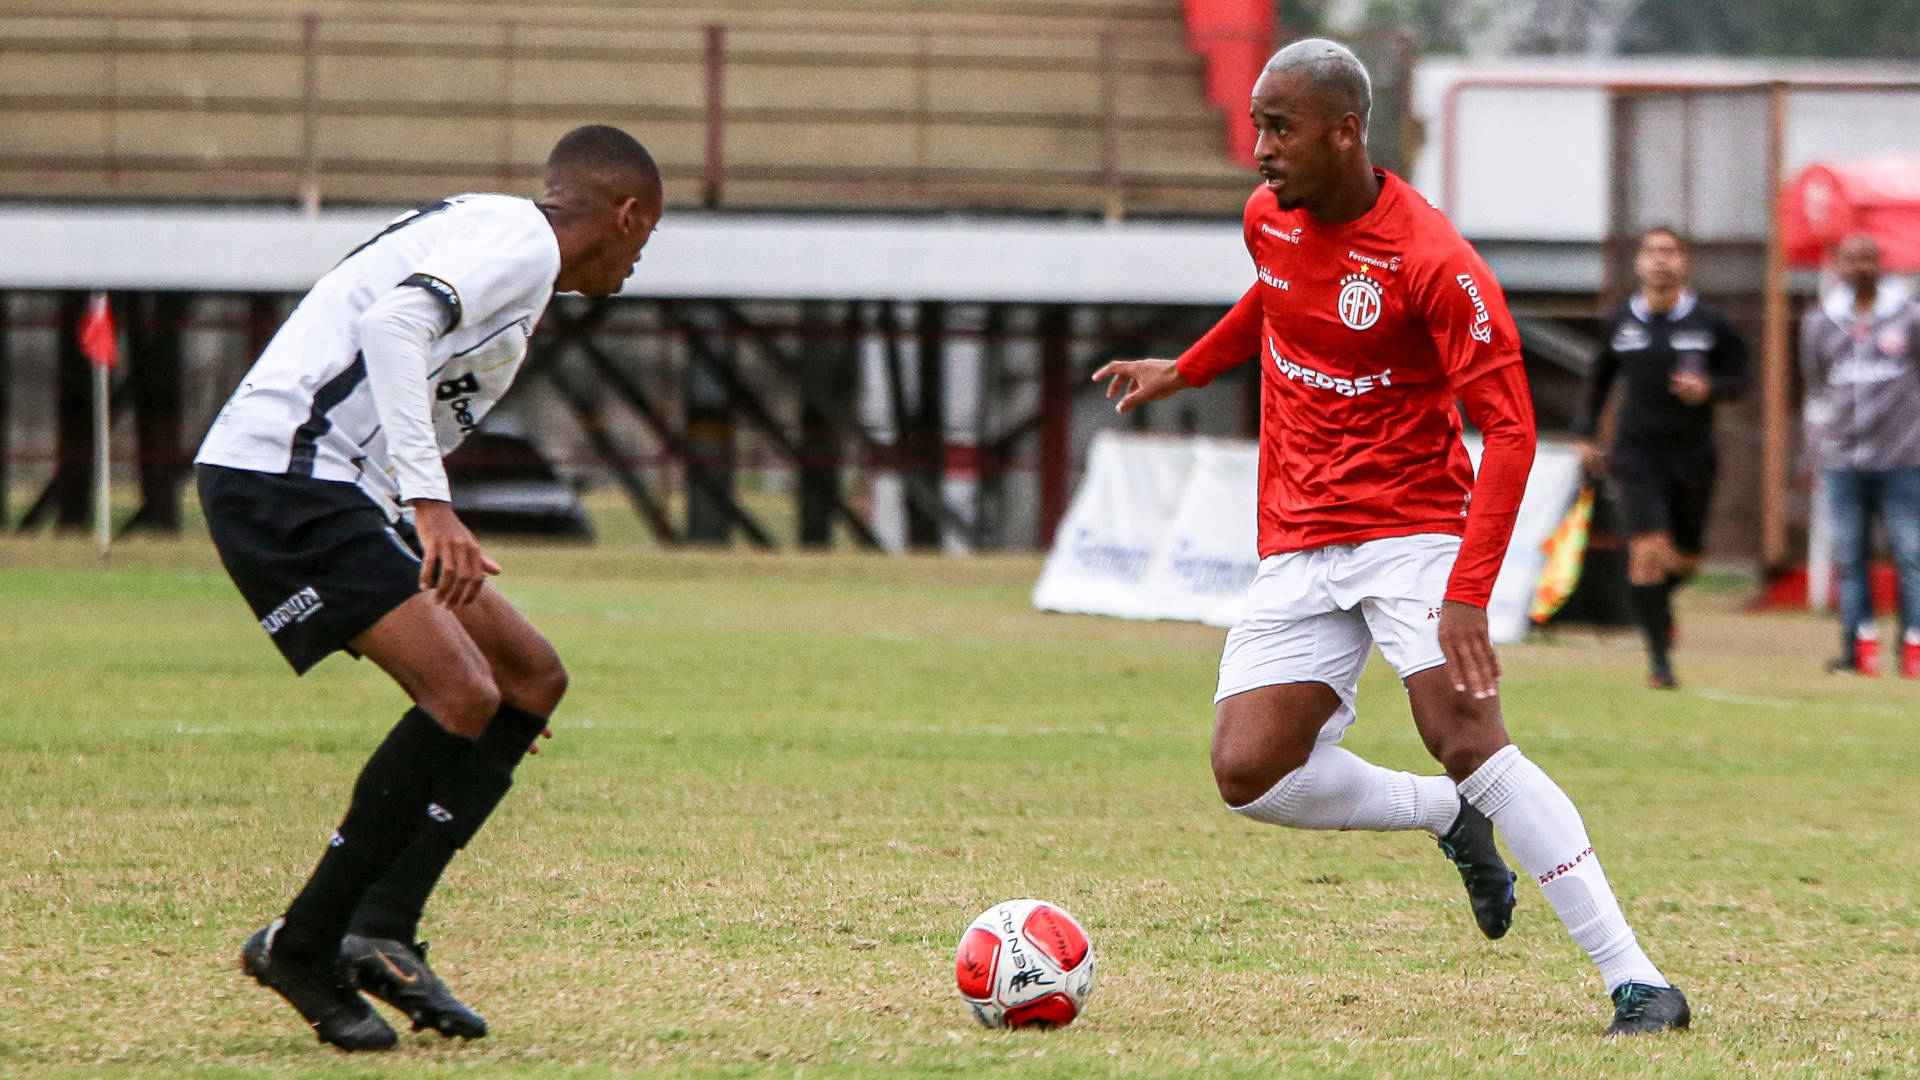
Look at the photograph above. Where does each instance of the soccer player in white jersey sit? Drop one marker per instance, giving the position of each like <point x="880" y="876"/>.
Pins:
<point x="326" y="497"/>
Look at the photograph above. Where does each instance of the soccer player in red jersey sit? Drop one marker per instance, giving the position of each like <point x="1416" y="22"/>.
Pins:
<point x="1370" y="319"/>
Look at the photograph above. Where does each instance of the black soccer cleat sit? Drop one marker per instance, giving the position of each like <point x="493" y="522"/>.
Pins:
<point x="1489" y="883"/>
<point x="397" y="973"/>
<point x="1660" y="676"/>
<point x="318" y="992"/>
<point x="1639" y="1009"/>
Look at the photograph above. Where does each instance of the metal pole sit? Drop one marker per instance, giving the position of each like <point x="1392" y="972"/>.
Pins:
<point x="1110" y="130"/>
<point x="113" y="103"/>
<point x="922" y="108"/>
<point x="6" y="403"/>
<point x="928" y="450"/>
<point x="70" y="488"/>
<point x="1774" y="388"/>
<point x="155" y="336"/>
<point x="507" y="46"/>
<point x="1056" y="409"/>
<point x="309" y="122"/>
<point x="1622" y="200"/>
<point x="715" y="170"/>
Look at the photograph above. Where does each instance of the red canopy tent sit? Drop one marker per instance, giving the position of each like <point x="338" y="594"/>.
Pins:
<point x="1827" y="202"/>
<point x="1822" y="205"/>
<point x="1234" y="37"/>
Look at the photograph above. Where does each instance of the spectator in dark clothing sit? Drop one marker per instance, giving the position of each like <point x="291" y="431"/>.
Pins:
<point x="1860" y="359"/>
<point x="1677" y="358"/>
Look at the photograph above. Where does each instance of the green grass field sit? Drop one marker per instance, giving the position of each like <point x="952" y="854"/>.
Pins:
<point x="783" y="784"/>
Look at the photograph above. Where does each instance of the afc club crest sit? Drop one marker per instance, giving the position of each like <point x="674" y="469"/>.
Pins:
<point x="1893" y="341"/>
<point x="1359" y="301"/>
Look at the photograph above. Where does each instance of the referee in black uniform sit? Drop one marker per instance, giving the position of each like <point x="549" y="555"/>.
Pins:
<point x="1677" y="358"/>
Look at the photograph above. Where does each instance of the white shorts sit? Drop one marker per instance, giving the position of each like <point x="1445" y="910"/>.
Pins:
<point x="1311" y="616"/>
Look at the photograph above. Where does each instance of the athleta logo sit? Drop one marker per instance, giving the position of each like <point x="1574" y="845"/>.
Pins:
<point x="1375" y="260"/>
<point x="1291" y="236"/>
<point x="1280" y="283"/>
<point x="1306" y="376"/>
<point x="1565" y="867"/>
<point x="1359" y="301"/>
<point x="1482" y="322"/>
<point x="460" y="393"/>
<point x="294" y="609"/>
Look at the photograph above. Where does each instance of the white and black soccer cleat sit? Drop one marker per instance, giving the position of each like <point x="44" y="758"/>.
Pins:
<point x="318" y="992"/>
<point x="1469" y="845"/>
<point x="1639" y="1009"/>
<point x="396" y="972"/>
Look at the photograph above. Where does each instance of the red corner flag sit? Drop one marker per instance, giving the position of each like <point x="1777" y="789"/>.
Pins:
<point x="98" y="338"/>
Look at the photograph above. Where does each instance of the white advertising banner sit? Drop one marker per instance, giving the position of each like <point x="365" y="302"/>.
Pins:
<point x="1115" y="526"/>
<point x="1164" y="528"/>
<point x="1551" y="488"/>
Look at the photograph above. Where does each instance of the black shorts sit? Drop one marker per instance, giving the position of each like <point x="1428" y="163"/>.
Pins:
<point x="316" y="560"/>
<point x="1665" y="492"/>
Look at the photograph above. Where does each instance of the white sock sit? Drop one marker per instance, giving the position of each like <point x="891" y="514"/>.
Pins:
<point x="1337" y="789"/>
<point x="1547" y="836"/>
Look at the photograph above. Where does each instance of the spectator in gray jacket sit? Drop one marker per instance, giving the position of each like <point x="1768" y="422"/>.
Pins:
<point x="1860" y="358"/>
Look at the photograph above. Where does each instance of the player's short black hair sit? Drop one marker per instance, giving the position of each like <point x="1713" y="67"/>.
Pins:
<point x="1333" y="71"/>
<point x="601" y="148"/>
<point x="1678" y="237"/>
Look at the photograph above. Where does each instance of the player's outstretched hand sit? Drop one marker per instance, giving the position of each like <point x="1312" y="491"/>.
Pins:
<point x="1468" y="647"/>
<point x="1690" y="387"/>
<point x="1593" y="460"/>
<point x="451" y="562"/>
<point x="1140" y="381"/>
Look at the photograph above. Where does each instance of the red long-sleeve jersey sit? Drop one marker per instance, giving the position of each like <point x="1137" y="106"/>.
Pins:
<point x="1367" y="333"/>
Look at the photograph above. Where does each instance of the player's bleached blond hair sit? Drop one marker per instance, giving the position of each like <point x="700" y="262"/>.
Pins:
<point x="1333" y="70"/>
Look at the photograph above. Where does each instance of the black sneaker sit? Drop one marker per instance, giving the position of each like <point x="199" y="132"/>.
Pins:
<point x="1660" y="676"/>
<point x="1639" y="1009"/>
<point x="318" y="992"/>
<point x="1489" y="883"/>
<point x="397" y="973"/>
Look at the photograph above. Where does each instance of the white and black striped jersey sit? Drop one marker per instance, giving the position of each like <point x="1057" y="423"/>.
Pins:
<point x="307" y="408"/>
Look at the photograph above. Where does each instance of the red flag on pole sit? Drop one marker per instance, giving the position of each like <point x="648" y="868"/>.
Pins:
<point x="98" y="338"/>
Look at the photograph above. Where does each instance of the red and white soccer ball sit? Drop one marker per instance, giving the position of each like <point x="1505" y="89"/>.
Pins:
<point x="1025" y="963"/>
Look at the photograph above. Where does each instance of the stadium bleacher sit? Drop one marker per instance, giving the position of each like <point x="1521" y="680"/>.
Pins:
<point x="1094" y="105"/>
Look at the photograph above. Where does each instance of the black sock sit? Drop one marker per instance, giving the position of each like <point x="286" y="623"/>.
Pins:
<point x="392" y="907"/>
<point x="386" y="813"/>
<point x="1653" y="611"/>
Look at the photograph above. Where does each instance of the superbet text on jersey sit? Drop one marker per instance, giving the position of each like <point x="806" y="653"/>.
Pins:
<point x="1363" y="331"/>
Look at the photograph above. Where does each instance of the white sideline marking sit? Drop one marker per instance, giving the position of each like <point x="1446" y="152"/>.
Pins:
<point x="1742" y="699"/>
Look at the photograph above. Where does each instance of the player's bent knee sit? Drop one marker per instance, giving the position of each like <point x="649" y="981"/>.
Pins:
<point x="1463" y="758"/>
<point x="1460" y="732"/>
<point x="1467" y="746"/>
<point x="546" y="687"/>
<point x="465" y="706"/>
<point x="1644" y="564"/>
<point x="533" y="679"/>
<point x="1243" y="778"/>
